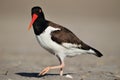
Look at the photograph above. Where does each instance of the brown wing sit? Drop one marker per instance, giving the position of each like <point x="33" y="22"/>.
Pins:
<point x="64" y="36"/>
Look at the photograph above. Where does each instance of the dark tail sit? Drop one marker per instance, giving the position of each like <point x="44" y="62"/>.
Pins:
<point x="94" y="51"/>
<point x="98" y="54"/>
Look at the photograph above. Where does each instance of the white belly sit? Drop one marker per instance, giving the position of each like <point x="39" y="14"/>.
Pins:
<point x="45" y="41"/>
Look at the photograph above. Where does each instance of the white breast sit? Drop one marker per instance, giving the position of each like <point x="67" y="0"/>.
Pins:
<point x="66" y="49"/>
<point x="45" y="41"/>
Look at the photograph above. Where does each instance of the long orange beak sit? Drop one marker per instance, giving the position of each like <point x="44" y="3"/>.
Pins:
<point x="34" y="17"/>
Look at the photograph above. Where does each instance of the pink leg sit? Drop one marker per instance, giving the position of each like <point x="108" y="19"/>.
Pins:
<point x="44" y="71"/>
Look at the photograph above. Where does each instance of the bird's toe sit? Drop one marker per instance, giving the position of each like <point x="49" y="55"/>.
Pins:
<point x="44" y="71"/>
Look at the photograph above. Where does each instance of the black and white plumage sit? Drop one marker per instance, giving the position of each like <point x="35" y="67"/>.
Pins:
<point x="57" y="39"/>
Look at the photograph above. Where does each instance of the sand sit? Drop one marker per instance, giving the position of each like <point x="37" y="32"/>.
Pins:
<point x="26" y="66"/>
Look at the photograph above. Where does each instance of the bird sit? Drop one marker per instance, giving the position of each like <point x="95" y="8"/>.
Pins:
<point x="57" y="40"/>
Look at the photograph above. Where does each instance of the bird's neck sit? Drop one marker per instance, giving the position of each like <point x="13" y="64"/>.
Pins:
<point x="39" y="26"/>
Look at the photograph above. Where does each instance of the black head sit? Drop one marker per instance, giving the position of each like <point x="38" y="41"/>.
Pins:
<point x="38" y="20"/>
<point x="37" y="10"/>
<point x="37" y="16"/>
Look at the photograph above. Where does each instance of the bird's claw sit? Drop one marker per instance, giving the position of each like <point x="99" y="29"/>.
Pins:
<point x="44" y="71"/>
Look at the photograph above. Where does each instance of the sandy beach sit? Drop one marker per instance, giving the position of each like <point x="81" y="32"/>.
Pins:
<point x="97" y="23"/>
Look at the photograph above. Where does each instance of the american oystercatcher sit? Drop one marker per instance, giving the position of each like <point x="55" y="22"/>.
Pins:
<point x="58" y="40"/>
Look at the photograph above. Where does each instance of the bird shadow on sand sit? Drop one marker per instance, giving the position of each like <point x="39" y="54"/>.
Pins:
<point x="35" y="75"/>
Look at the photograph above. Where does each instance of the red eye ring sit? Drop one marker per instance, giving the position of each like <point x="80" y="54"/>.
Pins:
<point x="40" y="10"/>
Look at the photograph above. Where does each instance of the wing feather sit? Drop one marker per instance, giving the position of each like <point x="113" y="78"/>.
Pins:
<point x="66" y="38"/>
